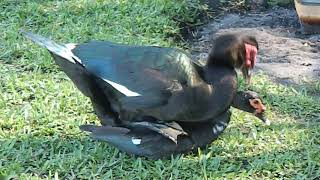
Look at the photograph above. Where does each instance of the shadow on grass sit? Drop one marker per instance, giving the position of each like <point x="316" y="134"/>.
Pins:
<point x="281" y="150"/>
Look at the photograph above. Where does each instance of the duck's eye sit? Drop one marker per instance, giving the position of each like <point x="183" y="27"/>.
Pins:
<point x="256" y="101"/>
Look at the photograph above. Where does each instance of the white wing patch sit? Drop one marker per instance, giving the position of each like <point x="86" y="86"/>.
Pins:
<point x="69" y="53"/>
<point x="124" y="90"/>
<point x="136" y="141"/>
<point x="217" y="128"/>
<point x="214" y="130"/>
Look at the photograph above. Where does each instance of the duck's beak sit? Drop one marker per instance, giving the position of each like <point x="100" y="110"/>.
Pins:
<point x="263" y="118"/>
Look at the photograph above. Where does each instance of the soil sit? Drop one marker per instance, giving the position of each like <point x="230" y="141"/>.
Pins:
<point x="285" y="53"/>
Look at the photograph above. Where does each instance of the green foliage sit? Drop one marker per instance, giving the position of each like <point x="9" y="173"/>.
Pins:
<point x="134" y="22"/>
<point x="40" y="109"/>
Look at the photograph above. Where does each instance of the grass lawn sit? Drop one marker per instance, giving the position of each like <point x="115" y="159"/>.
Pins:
<point x="40" y="109"/>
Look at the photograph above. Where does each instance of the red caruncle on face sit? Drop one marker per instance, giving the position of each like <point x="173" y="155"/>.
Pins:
<point x="251" y="55"/>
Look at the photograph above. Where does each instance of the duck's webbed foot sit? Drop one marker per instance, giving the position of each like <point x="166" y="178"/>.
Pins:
<point x="170" y="130"/>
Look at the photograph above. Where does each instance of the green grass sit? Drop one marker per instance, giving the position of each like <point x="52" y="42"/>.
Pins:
<point x="40" y="109"/>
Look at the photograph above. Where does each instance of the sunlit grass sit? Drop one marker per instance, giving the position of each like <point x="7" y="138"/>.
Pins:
<point x="40" y="108"/>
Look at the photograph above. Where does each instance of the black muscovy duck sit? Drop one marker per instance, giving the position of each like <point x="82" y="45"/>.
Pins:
<point x="214" y="90"/>
<point x="144" y="142"/>
<point x="135" y="82"/>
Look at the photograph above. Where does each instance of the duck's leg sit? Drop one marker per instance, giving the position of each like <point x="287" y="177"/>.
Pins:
<point x="102" y="105"/>
<point x="105" y="114"/>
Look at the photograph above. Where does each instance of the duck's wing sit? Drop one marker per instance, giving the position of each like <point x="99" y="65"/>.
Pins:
<point x="148" y="100"/>
<point x="130" y="70"/>
<point x="151" y="101"/>
<point x="198" y="67"/>
<point x="137" y="70"/>
<point x="119" y="137"/>
<point x="176" y="93"/>
<point x="169" y="130"/>
<point x="106" y="130"/>
<point x="126" y="71"/>
<point x="182" y="105"/>
<point x="74" y="69"/>
<point x="141" y="142"/>
<point x="69" y="63"/>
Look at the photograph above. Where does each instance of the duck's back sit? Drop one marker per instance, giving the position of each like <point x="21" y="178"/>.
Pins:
<point x="140" y="69"/>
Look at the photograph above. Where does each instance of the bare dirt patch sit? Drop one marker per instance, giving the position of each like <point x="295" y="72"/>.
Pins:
<point x="285" y="53"/>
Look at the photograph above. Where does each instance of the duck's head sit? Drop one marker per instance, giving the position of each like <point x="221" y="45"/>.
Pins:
<point x="250" y="101"/>
<point x="235" y="50"/>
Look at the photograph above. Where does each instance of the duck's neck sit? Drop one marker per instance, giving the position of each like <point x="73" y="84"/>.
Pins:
<point x="223" y="81"/>
<point x="214" y="63"/>
<point x="219" y="75"/>
<point x="229" y="60"/>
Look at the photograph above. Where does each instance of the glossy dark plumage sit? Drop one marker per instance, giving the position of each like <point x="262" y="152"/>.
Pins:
<point x="160" y="82"/>
<point x="136" y="82"/>
<point x="147" y="143"/>
<point x="144" y="142"/>
<point x="170" y="84"/>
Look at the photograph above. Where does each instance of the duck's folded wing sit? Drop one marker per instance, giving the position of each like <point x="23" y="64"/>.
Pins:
<point x="114" y="134"/>
<point x="149" y="100"/>
<point x="182" y="105"/>
<point x="137" y="70"/>
<point x="170" y="130"/>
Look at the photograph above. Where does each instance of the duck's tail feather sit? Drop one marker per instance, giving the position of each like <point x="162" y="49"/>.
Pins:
<point x="61" y="50"/>
<point x="106" y="130"/>
<point x="118" y="137"/>
<point x="111" y="134"/>
<point x="67" y="61"/>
